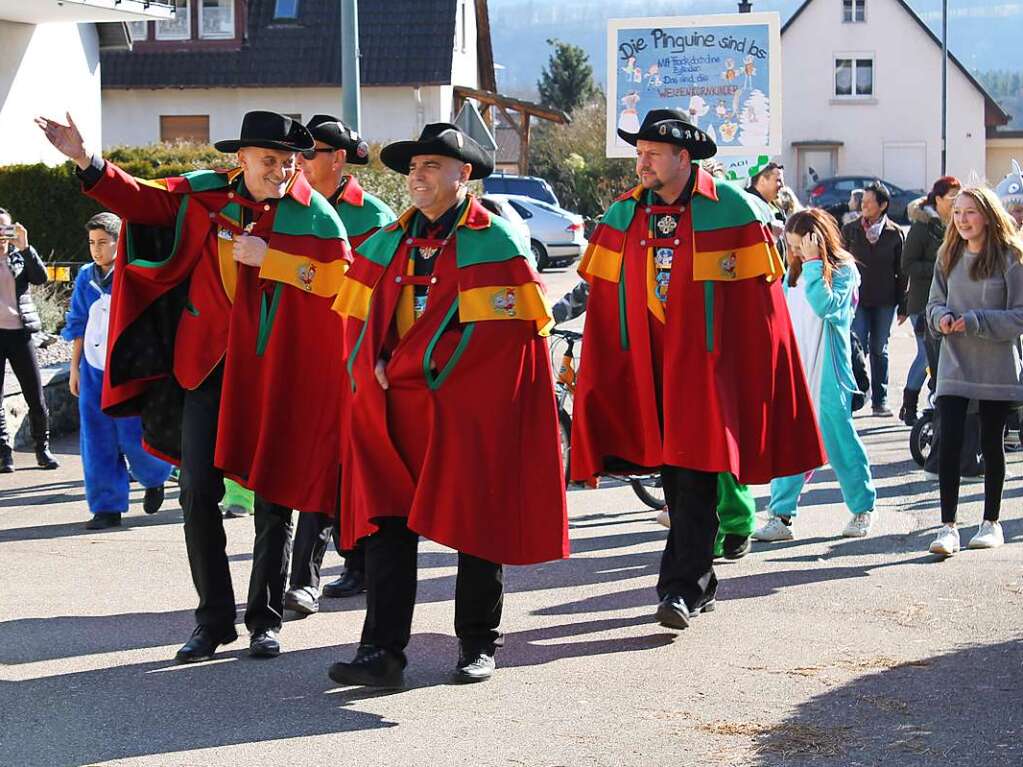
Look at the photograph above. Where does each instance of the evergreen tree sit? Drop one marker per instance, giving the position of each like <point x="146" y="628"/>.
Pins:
<point x="567" y="81"/>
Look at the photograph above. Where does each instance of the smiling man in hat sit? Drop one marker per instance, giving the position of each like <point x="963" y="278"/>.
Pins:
<point x="222" y="338"/>
<point x="337" y="146"/>
<point x="454" y="429"/>
<point x="690" y="365"/>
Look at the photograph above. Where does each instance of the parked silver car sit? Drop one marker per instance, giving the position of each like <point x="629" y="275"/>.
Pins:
<point x="500" y="205"/>
<point x="556" y="236"/>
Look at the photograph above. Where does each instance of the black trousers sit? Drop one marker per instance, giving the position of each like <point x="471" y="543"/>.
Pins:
<point x="391" y="592"/>
<point x="202" y="488"/>
<point x="993" y="415"/>
<point x="312" y="538"/>
<point x="16" y="348"/>
<point x="687" y="565"/>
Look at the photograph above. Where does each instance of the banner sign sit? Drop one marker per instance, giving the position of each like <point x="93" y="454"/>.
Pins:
<point x="725" y="71"/>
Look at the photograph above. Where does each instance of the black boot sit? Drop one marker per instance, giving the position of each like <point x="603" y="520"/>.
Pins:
<point x="41" y="434"/>
<point x="907" y="413"/>
<point x="6" y="458"/>
<point x="44" y="457"/>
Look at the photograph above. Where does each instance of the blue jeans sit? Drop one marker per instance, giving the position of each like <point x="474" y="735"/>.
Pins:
<point x="873" y="326"/>
<point x="918" y="370"/>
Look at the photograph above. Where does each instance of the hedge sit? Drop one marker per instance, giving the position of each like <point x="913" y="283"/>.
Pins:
<point x="49" y="202"/>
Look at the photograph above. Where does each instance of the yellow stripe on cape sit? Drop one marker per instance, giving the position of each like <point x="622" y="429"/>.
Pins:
<point x="353" y="299"/>
<point x="759" y="259"/>
<point x="599" y="261"/>
<point x="306" y="274"/>
<point x="506" y="302"/>
<point x="228" y="266"/>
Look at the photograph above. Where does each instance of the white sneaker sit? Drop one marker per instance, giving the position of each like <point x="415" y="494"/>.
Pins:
<point x="663" y="519"/>
<point x="988" y="537"/>
<point x="774" y="530"/>
<point x="947" y="542"/>
<point x="859" y="525"/>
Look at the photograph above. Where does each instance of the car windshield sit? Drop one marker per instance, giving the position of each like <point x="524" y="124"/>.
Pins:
<point x="521" y="209"/>
<point x="534" y="188"/>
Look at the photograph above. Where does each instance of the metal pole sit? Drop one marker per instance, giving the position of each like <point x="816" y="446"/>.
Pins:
<point x="351" y="99"/>
<point x="944" y="87"/>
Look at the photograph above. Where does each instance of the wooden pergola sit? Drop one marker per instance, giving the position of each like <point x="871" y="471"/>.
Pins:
<point x="526" y="110"/>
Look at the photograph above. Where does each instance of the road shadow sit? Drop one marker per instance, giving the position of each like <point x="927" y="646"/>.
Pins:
<point x="159" y="707"/>
<point x="962" y="708"/>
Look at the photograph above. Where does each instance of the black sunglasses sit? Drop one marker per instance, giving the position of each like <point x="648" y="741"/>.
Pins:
<point x="310" y="154"/>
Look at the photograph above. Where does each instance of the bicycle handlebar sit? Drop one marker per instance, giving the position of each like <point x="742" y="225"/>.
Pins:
<point x="569" y="335"/>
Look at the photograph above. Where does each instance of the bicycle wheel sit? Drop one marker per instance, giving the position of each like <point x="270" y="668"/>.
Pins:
<point x="921" y="438"/>
<point x="648" y="489"/>
<point x="565" y="432"/>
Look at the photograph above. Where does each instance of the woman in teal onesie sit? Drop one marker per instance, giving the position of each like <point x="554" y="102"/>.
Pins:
<point x="820" y="290"/>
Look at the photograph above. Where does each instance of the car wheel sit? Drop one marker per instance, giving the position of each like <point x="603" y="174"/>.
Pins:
<point x="540" y="254"/>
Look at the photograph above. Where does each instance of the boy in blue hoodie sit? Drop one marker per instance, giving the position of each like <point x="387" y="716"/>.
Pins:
<point x="106" y="443"/>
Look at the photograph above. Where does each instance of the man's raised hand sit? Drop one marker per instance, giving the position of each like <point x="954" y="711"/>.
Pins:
<point x="66" y="138"/>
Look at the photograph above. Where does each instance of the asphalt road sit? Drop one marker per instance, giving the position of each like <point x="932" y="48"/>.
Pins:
<point x="823" y="651"/>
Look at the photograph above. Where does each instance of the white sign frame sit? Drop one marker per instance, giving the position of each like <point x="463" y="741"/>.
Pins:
<point x="616" y="148"/>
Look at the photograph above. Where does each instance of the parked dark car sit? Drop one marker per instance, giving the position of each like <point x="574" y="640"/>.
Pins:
<point x="527" y="186"/>
<point x="832" y="194"/>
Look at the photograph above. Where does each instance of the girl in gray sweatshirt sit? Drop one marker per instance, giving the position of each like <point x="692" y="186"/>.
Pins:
<point x="976" y="305"/>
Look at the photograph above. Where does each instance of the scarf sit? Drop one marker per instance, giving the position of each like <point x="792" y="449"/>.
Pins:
<point x="873" y="231"/>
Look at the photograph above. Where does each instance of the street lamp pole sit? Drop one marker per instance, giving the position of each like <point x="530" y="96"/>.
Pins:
<point x="351" y="101"/>
<point x="944" y="87"/>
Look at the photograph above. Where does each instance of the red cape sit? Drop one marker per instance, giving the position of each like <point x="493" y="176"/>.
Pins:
<point x="469" y="453"/>
<point x="181" y="304"/>
<point x="740" y="406"/>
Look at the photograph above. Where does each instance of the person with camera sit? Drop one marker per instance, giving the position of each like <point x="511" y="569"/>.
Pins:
<point x="20" y="266"/>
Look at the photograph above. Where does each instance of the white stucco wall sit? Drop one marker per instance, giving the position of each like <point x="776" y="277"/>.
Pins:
<point x="46" y="69"/>
<point x="464" y="61"/>
<point x="907" y="93"/>
<point x="1000" y="154"/>
<point x="132" y="117"/>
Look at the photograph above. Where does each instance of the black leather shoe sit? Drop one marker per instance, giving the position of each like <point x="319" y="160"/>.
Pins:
<point x="153" y="499"/>
<point x="203" y="644"/>
<point x="372" y="667"/>
<point x="103" y="520"/>
<point x="735" y="546"/>
<point x="44" y="458"/>
<point x="348" y="585"/>
<point x="6" y="460"/>
<point x="474" y="667"/>
<point x="673" y="613"/>
<point x="707" y="607"/>
<point x="264" y="644"/>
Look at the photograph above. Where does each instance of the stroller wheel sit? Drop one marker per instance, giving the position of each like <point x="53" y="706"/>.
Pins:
<point x="921" y="437"/>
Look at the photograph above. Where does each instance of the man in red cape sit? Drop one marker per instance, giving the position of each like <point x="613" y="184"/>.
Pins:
<point x="362" y="213"/>
<point x="689" y="362"/>
<point x="454" y="431"/>
<point x="222" y="338"/>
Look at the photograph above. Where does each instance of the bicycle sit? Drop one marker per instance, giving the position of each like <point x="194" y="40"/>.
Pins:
<point x="647" y="487"/>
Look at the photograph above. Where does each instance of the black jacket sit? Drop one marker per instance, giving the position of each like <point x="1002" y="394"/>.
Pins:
<point x="920" y="253"/>
<point x="883" y="283"/>
<point x="28" y="269"/>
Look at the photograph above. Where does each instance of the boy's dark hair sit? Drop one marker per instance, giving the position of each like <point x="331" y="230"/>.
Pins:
<point x="880" y="192"/>
<point x="108" y="222"/>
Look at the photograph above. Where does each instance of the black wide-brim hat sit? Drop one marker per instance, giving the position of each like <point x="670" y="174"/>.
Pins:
<point x="269" y="130"/>
<point x="672" y="126"/>
<point x="444" y="139"/>
<point x="332" y="132"/>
